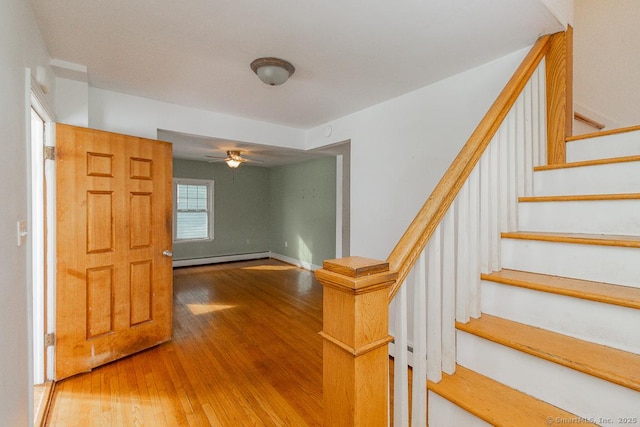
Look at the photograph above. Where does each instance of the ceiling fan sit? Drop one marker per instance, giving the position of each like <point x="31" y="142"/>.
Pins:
<point x="233" y="159"/>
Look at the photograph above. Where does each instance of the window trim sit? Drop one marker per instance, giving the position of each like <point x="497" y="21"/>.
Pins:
<point x="210" y="184"/>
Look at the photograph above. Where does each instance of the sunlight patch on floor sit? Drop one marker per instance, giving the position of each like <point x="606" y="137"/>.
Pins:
<point x="197" y="309"/>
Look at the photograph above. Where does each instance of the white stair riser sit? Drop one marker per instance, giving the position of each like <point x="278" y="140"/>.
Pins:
<point x="443" y="413"/>
<point x="612" y="178"/>
<point x="585" y="216"/>
<point x="609" y="264"/>
<point x="617" y="145"/>
<point x="576" y="392"/>
<point x="605" y="324"/>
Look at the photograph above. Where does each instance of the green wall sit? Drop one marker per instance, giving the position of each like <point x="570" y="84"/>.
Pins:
<point x="241" y="209"/>
<point x="303" y="210"/>
<point x="258" y="209"/>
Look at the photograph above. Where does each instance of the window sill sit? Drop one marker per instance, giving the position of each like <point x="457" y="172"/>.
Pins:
<point x="181" y="241"/>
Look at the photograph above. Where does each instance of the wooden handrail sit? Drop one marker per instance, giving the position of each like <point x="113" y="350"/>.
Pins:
<point x="404" y="255"/>
<point x="586" y="120"/>
<point x="613" y="131"/>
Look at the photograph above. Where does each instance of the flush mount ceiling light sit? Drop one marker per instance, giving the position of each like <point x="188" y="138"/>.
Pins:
<point x="273" y="71"/>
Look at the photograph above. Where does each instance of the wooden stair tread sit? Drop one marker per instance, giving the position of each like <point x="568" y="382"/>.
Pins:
<point x="610" y="364"/>
<point x="585" y="239"/>
<point x="606" y="161"/>
<point x="603" y="133"/>
<point x="607" y="293"/>
<point x="494" y="402"/>
<point x="580" y="197"/>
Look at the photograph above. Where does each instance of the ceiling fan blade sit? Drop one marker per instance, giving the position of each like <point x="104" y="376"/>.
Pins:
<point x="235" y="156"/>
<point x="213" y="159"/>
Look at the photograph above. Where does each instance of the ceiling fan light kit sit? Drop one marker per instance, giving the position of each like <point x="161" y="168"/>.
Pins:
<point x="272" y="71"/>
<point x="234" y="159"/>
<point x="233" y="163"/>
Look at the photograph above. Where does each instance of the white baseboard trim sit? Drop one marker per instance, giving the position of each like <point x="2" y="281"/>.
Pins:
<point x="245" y="257"/>
<point x="296" y="262"/>
<point x="219" y="259"/>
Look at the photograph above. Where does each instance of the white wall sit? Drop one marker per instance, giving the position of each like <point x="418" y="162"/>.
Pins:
<point x="606" y="61"/>
<point x="401" y="148"/>
<point x="132" y="115"/>
<point x="21" y="46"/>
<point x="562" y="10"/>
<point x="72" y="102"/>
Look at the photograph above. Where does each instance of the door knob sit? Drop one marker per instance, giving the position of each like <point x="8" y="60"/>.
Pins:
<point x="167" y="253"/>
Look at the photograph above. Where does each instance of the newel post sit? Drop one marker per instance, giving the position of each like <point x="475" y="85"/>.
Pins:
<point x="559" y="76"/>
<point x="355" y="341"/>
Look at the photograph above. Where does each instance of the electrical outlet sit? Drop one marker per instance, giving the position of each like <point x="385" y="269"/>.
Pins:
<point x="286" y="244"/>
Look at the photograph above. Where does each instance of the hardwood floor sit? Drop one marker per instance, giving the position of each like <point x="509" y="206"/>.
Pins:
<point x="42" y="394"/>
<point x="245" y="352"/>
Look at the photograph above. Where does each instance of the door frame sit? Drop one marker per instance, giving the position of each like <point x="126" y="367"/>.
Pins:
<point x="41" y="223"/>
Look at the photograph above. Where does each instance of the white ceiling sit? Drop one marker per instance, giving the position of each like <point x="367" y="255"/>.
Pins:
<point x="348" y="54"/>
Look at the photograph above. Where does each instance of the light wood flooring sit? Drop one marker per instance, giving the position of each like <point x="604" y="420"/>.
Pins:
<point x="245" y="352"/>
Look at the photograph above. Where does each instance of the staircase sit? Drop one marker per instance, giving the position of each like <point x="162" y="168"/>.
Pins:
<point x="515" y="291"/>
<point x="558" y="340"/>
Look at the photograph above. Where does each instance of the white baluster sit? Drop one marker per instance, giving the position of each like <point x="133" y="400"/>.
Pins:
<point x="494" y="213"/>
<point x="543" y="115"/>
<point x="449" y="292"/>
<point x="474" y="243"/>
<point x="503" y="176"/>
<point x="400" y="369"/>
<point x="512" y="177"/>
<point x="535" y="112"/>
<point x="434" y="308"/>
<point x="464" y="259"/>
<point x="542" y="112"/>
<point x="521" y="129"/>
<point x="419" y="391"/>
<point x="528" y="140"/>
<point x="485" y="213"/>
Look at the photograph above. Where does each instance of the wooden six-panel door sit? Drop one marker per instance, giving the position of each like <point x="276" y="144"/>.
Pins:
<point x="113" y="284"/>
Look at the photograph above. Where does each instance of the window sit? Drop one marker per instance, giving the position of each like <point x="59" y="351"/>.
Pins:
<point x="193" y="210"/>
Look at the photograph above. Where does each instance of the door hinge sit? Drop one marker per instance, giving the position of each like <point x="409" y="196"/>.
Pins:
<point x="49" y="153"/>
<point x="49" y="339"/>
